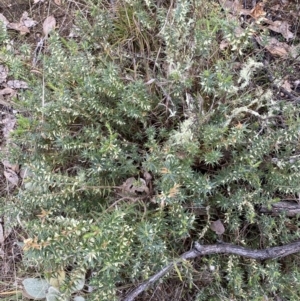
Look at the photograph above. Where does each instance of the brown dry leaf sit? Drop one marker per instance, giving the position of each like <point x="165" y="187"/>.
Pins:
<point x="147" y="176"/>
<point x="74" y="32"/>
<point x="283" y="28"/>
<point x="174" y="191"/>
<point x="3" y="20"/>
<point x="5" y="103"/>
<point x="239" y="31"/>
<point x="165" y="171"/>
<point x="31" y="243"/>
<point x="258" y="11"/>
<point x="218" y="227"/>
<point x="3" y="73"/>
<point x="26" y="21"/>
<point x="11" y="177"/>
<point x="294" y="51"/>
<point x="275" y="47"/>
<point x="224" y="44"/>
<point x="8" y="91"/>
<point x="275" y="7"/>
<point x="49" y="25"/>
<point x="296" y="83"/>
<point x="44" y="214"/>
<point x="17" y="84"/>
<point x="287" y="86"/>
<point x="134" y="187"/>
<point x="18" y="27"/>
<point x="9" y="123"/>
<point x="235" y="7"/>
<point x="24" y="24"/>
<point x="8" y="165"/>
<point x="278" y="48"/>
<point x="57" y="2"/>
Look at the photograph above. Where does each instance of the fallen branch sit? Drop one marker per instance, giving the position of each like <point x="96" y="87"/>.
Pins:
<point x="223" y="248"/>
<point x="290" y="209"/>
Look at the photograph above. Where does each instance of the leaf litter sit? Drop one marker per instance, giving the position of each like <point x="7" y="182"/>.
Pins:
<point x="23" y="26"/>
<point x="258" y="15"/>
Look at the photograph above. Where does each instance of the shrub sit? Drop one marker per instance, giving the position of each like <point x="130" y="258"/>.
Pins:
<point x="144" y="90"/>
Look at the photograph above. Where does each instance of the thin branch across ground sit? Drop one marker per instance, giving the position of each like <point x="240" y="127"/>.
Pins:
<point x="222" y="248"/>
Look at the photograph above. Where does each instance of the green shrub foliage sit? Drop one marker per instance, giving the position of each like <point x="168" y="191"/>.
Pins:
<point x="145" y="88"/>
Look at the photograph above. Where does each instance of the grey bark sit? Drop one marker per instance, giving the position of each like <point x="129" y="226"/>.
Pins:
<point x="223" y="248"/>
<point x="289" y="208"/>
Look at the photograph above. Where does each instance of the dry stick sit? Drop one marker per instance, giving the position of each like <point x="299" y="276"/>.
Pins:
<point x="37" y="51"/>
<point x="283" y="207"/>
<point x="224" y="248"/>
<point x="132" y="199"/>
<point x="288" y="208"/>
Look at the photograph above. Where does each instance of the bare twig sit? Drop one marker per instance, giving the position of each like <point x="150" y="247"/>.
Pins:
<point x="37" y="51"/>
<point x="132" y="199"/>
<point x="223" y="248"/>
